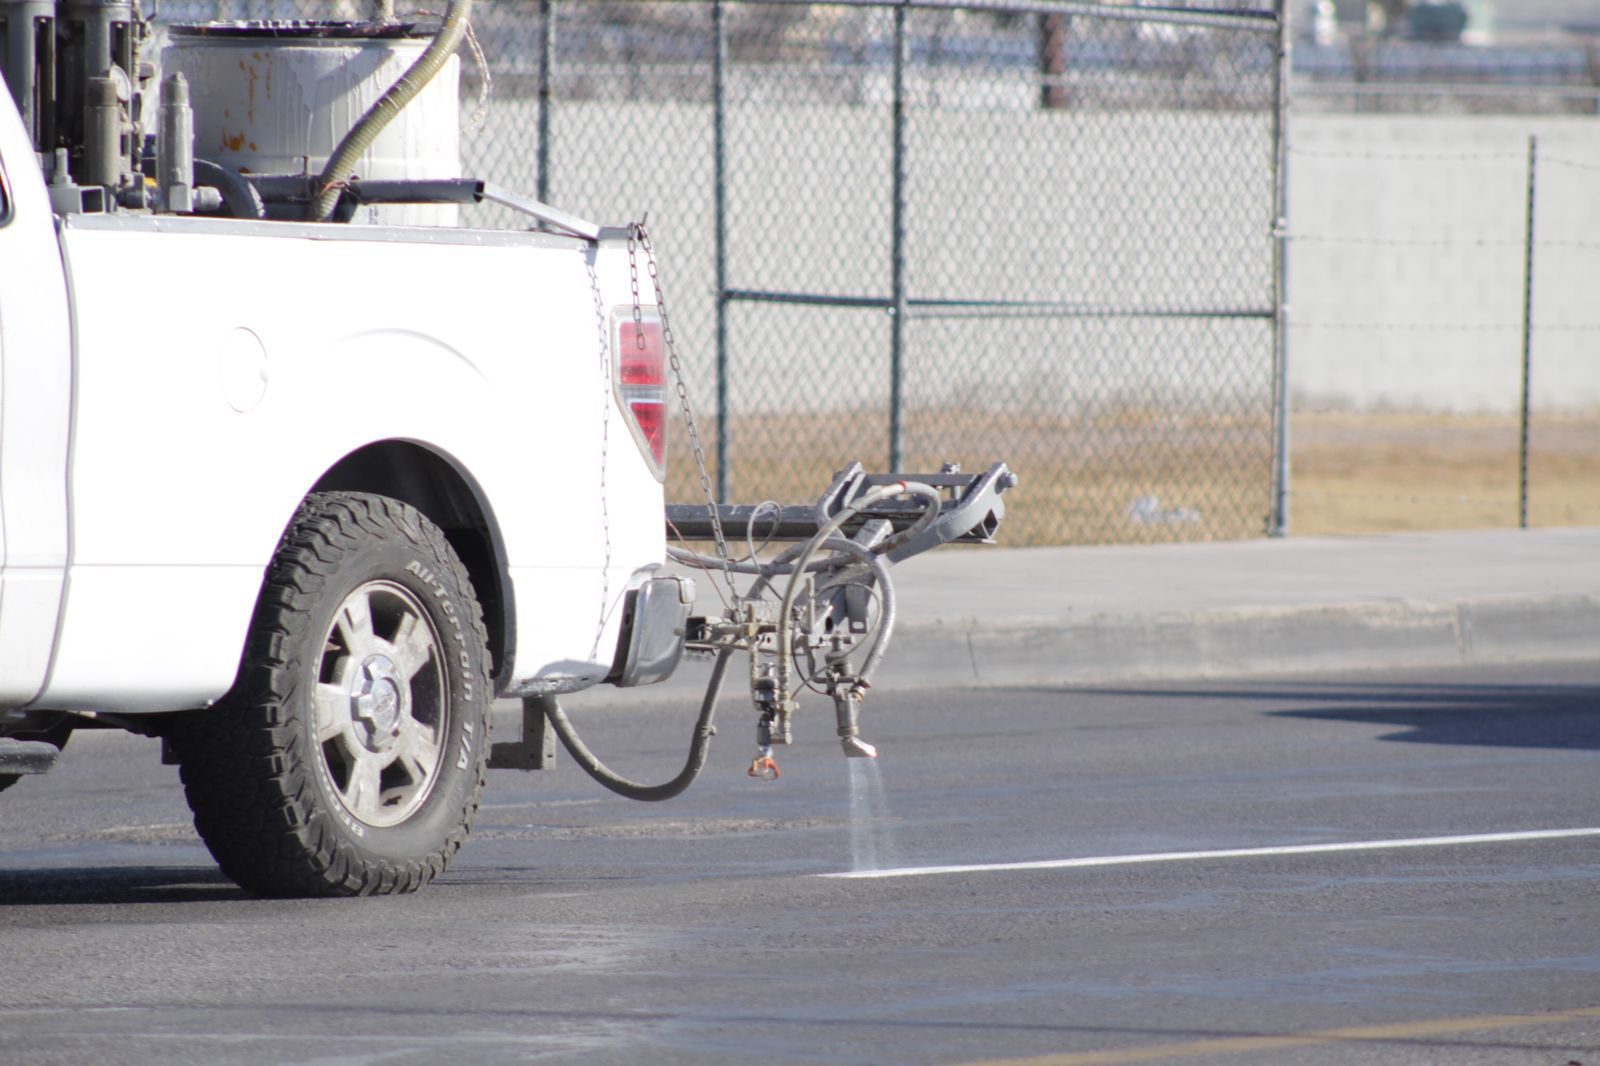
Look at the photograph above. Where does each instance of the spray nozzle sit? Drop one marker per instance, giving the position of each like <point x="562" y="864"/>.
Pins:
<point x="765" y="766"/>
<point x="856" y="748"/>
<point x="846" y="705"/>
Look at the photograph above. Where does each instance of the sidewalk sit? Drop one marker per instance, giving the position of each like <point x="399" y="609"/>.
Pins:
<point x="999" y="616"/>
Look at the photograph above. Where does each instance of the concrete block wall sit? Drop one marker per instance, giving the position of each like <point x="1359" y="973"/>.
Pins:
<point x="1405" y="265"/>
<point x="1407" y="255"/>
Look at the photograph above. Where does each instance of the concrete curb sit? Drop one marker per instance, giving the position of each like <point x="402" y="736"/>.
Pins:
<point x="1111" y="648"/>
<point x="1234" y="642"/>
<point x="1127" y="613"/>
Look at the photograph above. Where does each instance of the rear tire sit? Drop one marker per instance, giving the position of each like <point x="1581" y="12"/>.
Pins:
<point x="350" y="757"/>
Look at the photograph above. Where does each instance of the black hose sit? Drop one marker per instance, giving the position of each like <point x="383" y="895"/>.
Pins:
<point x="591" y="765"/>
<point x="239" y="197"/>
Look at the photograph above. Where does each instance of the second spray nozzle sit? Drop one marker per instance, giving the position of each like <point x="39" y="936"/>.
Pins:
<point x="846" y="705"/>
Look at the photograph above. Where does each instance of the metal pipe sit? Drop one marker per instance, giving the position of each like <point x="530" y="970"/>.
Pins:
<point x="106" y="40"/>
<point x="1241" y="19"/>
<point x="29" y="24"/>
<point x="719" y="128"/>
<point x="1278" y="524"/>
<point x="547" y="58"/>
<point x="341" y="163"/>
<point x="897" y="324"/>
<point x="950" y="308"/>
<point x="1527" y="336"/>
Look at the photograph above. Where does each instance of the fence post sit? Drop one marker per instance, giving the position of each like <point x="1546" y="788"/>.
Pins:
<point x="1279" y="522"/>
<point x="1527" y="337"/>
<point x="547" y="55"/>
<point x="897" y="327"/>
<point x="719" y="120"/>
<point x="1053" y="62"/>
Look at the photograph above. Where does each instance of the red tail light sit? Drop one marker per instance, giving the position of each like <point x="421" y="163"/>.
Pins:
<point x="642" y="388"/>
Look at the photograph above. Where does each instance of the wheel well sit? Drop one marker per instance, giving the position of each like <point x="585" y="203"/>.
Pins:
<point x="438" y="487"/>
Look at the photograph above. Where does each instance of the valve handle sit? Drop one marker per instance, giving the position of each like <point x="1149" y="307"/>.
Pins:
<point x="765" y="767"/>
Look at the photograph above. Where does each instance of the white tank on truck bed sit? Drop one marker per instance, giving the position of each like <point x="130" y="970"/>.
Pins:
<point x="278" y="97"/>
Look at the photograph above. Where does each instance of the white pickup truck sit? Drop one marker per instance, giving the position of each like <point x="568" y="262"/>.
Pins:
<point x="302" y="497"/>
<point x="340" y="485"/>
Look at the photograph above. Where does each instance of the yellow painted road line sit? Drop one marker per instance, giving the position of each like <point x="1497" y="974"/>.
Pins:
<point x="1226" y="853"/>
<point x="1245" y="1045"/>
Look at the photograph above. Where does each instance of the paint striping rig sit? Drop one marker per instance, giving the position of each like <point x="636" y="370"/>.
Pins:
<point x="817" y="615"/>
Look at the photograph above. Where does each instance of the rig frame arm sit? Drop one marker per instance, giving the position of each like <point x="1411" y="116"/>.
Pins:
<point x="971" y="512"/>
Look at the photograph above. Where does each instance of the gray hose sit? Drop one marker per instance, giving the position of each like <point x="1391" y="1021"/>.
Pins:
<point x="239" y="197"/>
<point x="703" y="732"/>
<point x="812" y="546"/>
<point x="343" y="160"/>
<point x="887" y="611"/>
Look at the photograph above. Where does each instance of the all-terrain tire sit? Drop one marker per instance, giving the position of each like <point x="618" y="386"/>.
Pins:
<point x="351" y="754"/>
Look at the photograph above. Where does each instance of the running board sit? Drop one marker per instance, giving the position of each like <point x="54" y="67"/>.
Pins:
<point x="27" y="756"/>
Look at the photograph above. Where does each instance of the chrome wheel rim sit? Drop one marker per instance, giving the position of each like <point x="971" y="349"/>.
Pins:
<point x="382" y="705"/>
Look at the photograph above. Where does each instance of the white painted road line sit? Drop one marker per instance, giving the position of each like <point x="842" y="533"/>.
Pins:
<point x="1228" y="853"/>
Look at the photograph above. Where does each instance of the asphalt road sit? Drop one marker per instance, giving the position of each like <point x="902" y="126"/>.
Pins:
<point x="579" y="927"/>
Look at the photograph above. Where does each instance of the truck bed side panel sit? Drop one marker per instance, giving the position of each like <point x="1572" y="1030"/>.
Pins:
<point x="244" y="361"/>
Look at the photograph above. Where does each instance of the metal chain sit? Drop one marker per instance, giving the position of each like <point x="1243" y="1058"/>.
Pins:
<point x="639" y="237"/>
<point x="603" y="326"/>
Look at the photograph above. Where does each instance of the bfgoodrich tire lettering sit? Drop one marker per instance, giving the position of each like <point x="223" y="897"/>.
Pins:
<point x="350" y="757"/>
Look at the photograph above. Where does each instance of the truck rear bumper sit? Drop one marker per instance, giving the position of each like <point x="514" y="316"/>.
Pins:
<point x="654" y="621"/>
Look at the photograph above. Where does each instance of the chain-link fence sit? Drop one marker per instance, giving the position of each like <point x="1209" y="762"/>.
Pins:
<point x="915" y="234"/>
<point x="921" y="232"/>
<point x="1444" y="332"/>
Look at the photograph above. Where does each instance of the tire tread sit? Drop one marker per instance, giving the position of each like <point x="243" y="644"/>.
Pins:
<point x="241" y="762"/>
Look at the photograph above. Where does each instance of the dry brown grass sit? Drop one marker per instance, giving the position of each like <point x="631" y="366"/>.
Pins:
<point x="1083" y="479"/>
<point x="1380" y="473"/>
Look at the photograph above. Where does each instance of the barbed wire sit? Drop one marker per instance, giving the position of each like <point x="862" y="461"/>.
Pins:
<point x="1573" y="163"/>
<point x="1409" y="327"/>
<point x="1439" y="242"/>
<point x="1409" y="242"/>
<point x="1442" y="157"/>
<point x="1408" y="157"/>
<point x="1445" y="327"/>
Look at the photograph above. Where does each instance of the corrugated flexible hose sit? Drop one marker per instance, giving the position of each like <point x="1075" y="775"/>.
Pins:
<point x="343" y="160"/>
